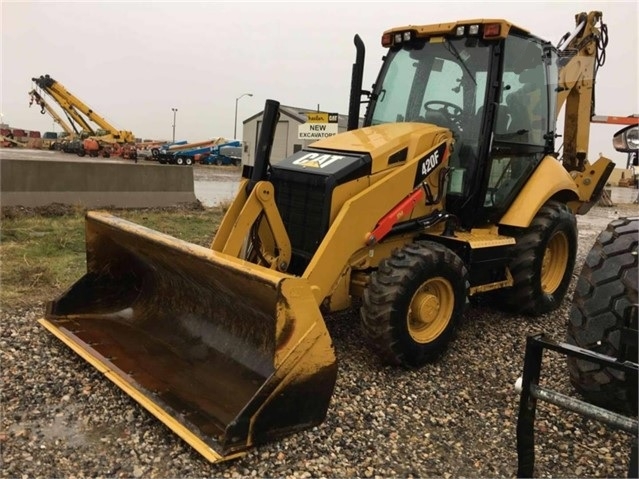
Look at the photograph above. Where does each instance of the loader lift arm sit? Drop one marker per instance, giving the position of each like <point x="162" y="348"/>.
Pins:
<point x="72" y="103"/>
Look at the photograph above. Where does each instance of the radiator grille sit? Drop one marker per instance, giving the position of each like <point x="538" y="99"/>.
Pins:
<point x="304" y="207"/>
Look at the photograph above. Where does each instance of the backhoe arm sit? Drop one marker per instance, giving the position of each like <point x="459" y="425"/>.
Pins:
<point x="580" y="55"/>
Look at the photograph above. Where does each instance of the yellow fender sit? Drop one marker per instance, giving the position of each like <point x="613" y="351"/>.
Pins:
<point x="549" y="179"/>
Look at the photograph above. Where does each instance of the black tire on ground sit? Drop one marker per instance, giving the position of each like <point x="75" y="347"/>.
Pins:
<point x="179" y="160"/>
<point x="604" y="303"/>
<point x="543" y="261"/>
<point x="413" y="303"/>
<point x="155" y="152"/>
<point x="188" y="161"/>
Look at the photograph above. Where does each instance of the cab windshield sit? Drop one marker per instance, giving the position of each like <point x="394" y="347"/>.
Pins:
<point x="437" y="80"/>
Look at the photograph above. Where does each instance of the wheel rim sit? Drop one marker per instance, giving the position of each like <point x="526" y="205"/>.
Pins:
<point x="553" y="266"/>
<point x="430" y="310"/>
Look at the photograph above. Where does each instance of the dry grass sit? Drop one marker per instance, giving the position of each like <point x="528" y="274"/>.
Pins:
<point x="42" y="251"/>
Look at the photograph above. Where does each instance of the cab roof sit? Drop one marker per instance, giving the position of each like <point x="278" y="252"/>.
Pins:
<point x="451" y="27"/>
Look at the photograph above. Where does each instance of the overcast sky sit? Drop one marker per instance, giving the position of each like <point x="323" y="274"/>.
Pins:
<point x="133" y="62"/>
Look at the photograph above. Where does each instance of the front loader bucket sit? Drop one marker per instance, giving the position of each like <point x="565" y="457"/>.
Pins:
<point x="226" y="353"/>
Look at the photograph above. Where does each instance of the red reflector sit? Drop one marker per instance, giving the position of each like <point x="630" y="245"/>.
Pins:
<point x="387" y="40"/>
<point x="492" y="30"/>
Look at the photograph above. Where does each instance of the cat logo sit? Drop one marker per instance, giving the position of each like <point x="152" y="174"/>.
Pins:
<point x="317" y="160"/>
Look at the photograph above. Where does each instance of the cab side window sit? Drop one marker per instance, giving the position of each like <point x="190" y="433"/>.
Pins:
<point x="522" y="115"/>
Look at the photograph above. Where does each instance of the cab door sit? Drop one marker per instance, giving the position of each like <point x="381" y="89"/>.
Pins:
<point x="523" y="123"/>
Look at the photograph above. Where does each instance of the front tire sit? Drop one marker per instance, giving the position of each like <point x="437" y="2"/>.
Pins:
<point x="603" y="305"/>
<point x="543" y="261"/>
<point x="413" y="303"/>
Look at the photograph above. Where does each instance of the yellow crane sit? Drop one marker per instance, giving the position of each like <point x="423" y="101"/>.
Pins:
<point x="75" y="107"/>
<point x="45" y="107"/>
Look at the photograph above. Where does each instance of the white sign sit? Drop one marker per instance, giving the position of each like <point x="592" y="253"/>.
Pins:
<point x="316" y="131"/>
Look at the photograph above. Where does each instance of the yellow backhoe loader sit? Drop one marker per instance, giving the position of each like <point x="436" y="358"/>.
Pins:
<point x="452" y="188"/>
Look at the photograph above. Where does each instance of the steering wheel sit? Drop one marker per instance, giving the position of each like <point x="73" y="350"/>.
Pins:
<point x="452" y="110"/>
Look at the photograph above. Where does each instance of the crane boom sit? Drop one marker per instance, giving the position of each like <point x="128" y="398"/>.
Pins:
<point x="71" y="112"/>
<point x="38" y="100"/>
<point x="72" y="103"/>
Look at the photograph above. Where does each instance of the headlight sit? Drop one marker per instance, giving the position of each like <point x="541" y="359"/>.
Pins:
<point x="632" y="137"/>
<point x="627" y="139"/>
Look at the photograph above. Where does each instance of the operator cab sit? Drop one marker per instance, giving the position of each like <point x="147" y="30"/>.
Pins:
<point x="493" y="85"/>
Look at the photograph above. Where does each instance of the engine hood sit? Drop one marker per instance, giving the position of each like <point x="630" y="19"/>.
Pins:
<point x="383" y="142"/>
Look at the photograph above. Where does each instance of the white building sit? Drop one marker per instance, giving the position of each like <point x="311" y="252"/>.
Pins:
<point x="286" y="140"/>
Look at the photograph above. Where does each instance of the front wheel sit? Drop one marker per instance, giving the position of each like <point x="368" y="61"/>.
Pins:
<point x="543" y="261"/>
<point x="413" y="303"/>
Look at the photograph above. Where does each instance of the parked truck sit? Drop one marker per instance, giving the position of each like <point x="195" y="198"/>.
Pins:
<point x="188" y="153"/>
<point x="229" y="153"/>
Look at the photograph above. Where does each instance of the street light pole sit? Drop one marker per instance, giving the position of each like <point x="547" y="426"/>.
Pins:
<point x="235" y="123"/>
<point x="174" y="110"/>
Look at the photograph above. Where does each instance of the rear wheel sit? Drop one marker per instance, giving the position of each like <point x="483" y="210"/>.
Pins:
<point x="188" y="161"/>
<point x="543" y="261"/>
<point x="413" y="303"/>
<point x="179" y="160"/>
<point x="603" y="305"/>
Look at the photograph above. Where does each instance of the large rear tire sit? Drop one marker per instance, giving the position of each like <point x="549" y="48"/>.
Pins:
<point x="543" y="261"/>
<point x="604" y="303"/>
<point x="413" y="303"/>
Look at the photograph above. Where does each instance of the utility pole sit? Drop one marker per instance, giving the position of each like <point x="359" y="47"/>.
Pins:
<point x="235" y="122"/>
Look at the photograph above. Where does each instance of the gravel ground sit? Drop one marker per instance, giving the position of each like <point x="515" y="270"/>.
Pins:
<point x="454" y="418"/>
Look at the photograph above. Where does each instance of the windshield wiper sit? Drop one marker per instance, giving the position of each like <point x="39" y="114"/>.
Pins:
<point x="452" y="49"/>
